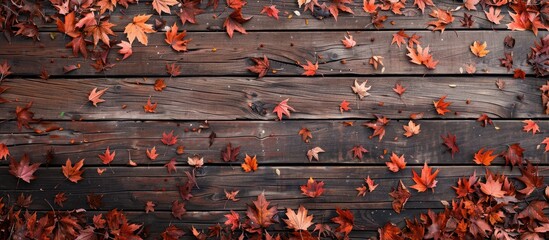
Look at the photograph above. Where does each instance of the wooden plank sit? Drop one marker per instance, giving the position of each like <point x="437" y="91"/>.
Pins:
<point x="273" y="142"/>
<point x="130" y="188"/>
<point x="215" y="54"/>
<point x="229" y="98"/>
<point x="412" y="18"/>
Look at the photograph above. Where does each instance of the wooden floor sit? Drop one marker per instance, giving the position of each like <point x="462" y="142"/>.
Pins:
<point x="216" y="86"/>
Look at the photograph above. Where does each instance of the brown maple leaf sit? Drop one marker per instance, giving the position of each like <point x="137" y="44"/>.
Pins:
<point x="400" y="196"/>
<point x="261" y="67"/>
<point x="397" y="163"/>
<point x="260" y="214"/>
<point x="60" y="198"/>
<point x="427" y="179"/>
<point x="450" y="143"/>
<point x="170" y="166"/>
<point x="441" y="106"/>
<point x="138" y="29"/>
<point x="310" y="68"/>
<point x="230" y="154"/>
<point x="507" y="61"/>
<point x="74" y="174"/>
<point x="345" y="219"/>
<point x="313" y="153"/>
<point x="178" y="209"/>
<point x="172" y="233"/>
<point x="530" y="125"/>
<point x="299" y="221"/>
<point x="411" y="129"/>
<point x="23" y="169"/>
<point x="357" y="151"/>
<point x="306" y="135"/>
<point x="378" y="126"/>
<point x="188" y="11"/>
<point x="250" y="164"/>
<point x="484" y="157"/>
<point x="25" y="116"/>
<point x="313" y="188"/>
<point x="531" y="179"/>
<point x="513" y="155"/>
<point x="94" y="200"/>
<point x="283" y="109"/>
<point x="95" y="96"/>
<point x="234" y="22"/>
<point x="175" y="40"/>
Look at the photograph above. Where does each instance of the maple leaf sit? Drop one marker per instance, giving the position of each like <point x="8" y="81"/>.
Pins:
<point x="443" y="17"/>
<point x="479" y="49"/>
<point x="358" y="150"/>
<point x="169" y="139"/>
<point x="74" y="174"/>
<point x="470" y="4"/>
<point x="399" y="89"/>
<point x="450" y="143"/>
<point x="151" y="154"/>
<point x="163" y="5"/>
<point x="188" y="11"/>
<point x="250" y="164"/>
<point x="519" y="73"/>
<point x="534" y="211"/>
<point x="513" y="155"/>
<point x="313" y="153"/>
<point x="411" y="129"/>
<point x="422" y="3"/>
<point x="313" y="188"/>
<point x="390" y="231"/>
<point x="545" y="141"/>
<point x="23" y="169"/>
<point x="138" y="28"/>
<point x="94" y="200"/>
<point x="108" y="157"/>
<point x="149" y="206"/>
<point x="378" y="126"/>
<point x="375" y="61"/>
<point x="492" y="187"/>
<point x="493" y="15"/>
<point x="271" y="11"/>
<point x="397" y="163"/>
<point x="344" y="106"/>
<point x="149" y="107"/>
<point x="25" y="116"/>
<point x="310" y="68"/>
<point x="467" y="20"/>
<point x="485" y="120"/>
<point x="398" y="38"/>
<point x="95" y="96"/>
<point x="283" y="109"/>
<point x="178" y="209"/>
<point x="195" y="161"/>
<point x="126" y="49"/>
<point x="507" y="61"/>
<point x="100" y="31"/>
<point x="370" y="186"/>
<point x="305" y="134"/>
<point x="345" y="219"/>
<point x="299" y="221"/>
<point x="173" y="70"/>
<point x="465" y="185"/>
<point x="233" y="220"/>
<point x="360" y="89"/>
<point x="348" y="42"/>
<point x="231" y="195"/>
<point x="170" y="166"/>
<point x="441" y="106"/>
<point x="531" y="179"/>
<point x="261" y="67"/>
<point x="369" y="6"/>
<point x="530" y="125"/>
<point x="260" y="214"/>
<point x="484" y="157"/>
<point x="60" y="198"/>
<point x="172" y="233"/>
<point x="4" y="151"/>
<point x="176" y="40"/>
<point x="427" y="179"/>
<point x="400" y="196"/>
<point x="234" y="22"/>
<point x="230" y="154"/>
<point x="68" y="27"/>
<point x="421" y="56"/>
<point x="337" y="5"/>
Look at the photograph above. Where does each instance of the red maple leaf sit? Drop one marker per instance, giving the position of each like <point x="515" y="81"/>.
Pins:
<point x="400" y="196"/>
<point x="172" y="232"/>
<point x="485" y="120"/>
<point x="344" y="106"/>
<point x="399" y="89"/>
<point x="74" y="174"/>
<point x="519" y="73"/>
<point x="260" y="214"/>
<point x="545" y="141"/>
<point x="441" y="106"/>
<point x="25" y="116"/>
<point x="310" y="68"/>
<point x="530" y="125"/>
<point x="169" y="139"/>
<point x="271" y="11"/>
<point x="513" y="155"/>
<point x="23" y="169"/>
<point x="465" y="185"/>
<point x="338" y="5"/>
<point x="378" y="126"/>
<point x="178" y="209"/>
<point x="234" y="22"/>
<point x="171" y="165"/>
<point x="4" y="151"/>
<point x="173" y="70"/>
<point x="261" y="67"/>
<point x="188" y="11"/>
<point x="283" y="108"/>
<point x="107" y="157"/>
<point x="450" y="142"/>
<point x="346" y="221"/>
<point x="531" y="179"/>
<point x="397" y="163"/>
<point x="427" y="179"/>
<point x="313" y="188"/>
<point x="358" y="150"/>
<point x="233" y="220"/>
<point x="230" y="154"/>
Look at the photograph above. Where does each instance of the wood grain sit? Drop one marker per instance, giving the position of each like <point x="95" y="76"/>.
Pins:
<point x="274" y="143"/>
<point x="412" y="18"/>
<point x="214" y="54"/>
<point x="229" y="98"/>
<point x="130" y="188"/>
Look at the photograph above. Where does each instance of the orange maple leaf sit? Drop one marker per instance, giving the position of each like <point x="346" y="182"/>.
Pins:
<point x="397" y="163"/>
<point x="126" y="49"/>
<point x="493" y="15"/>
<point x="427" y="179"/>
<point x="441" y="106"/>
<point x="101" y="31"/>
<point x="484" y="157"/>
<point x="411" y="129"/>
<point x="234" y="22"/>
<point x="422" y="3"/>
<point x="262" y="66"/>
<point x="250" y="164"/>
<point x="176" y="40"/>
<point x="398" y="38"/>
<point x="260" y="214"/>
<point x="271" y="11"/>
<point x="151" y="154"/>
<point x="369" y="6"/>
<point x="344" y="106"/>
<point x="138" y="28"/>
<point x="530" y="125"/>
<point x="95" y="96"/>
<point x="163" y="5"/>
<point x="399" y="89"/>
<point x="306" y="134"/>
<point x="310" y="68"/>
<point x="345" y="219"/>
<point x="74" y="174"/>
<point x="479" y="49"/>
<point x="4" y="151"/>
<point x="378" y="126"/>
<point x="283" y="108"/>
<point x="492" y="187"/>
<point x="421" y="56"/>
<point x="149" y="107"/>
<point x="299" y="221"/>
<point x="313" y="188"/>
<point x="348" y="42"/>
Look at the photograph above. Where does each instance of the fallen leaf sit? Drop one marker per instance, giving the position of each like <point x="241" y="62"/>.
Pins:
<point x="530" y="125"/>
<point x="422" y="3"/>
<point x="95" y="96"/>
<point x="260" y="214"/>
<point x="310" y="68"/>
<point x="399" y="38"/>
<point x="397" y="163"/>
<point x="163" y="6"/>
<point x="411" y="129"/>
<point x="271" y="11"/>
<point x="305" y="134"/>
<point x="168" y="139"/>
<point x="493" y="15"/>
<point x="484" y="157"/>
<point x="479" y="49"/>
<point x="313" y="153"/>
<point x="421" y="56"/>
<point x="126" y="49"/>
<point x="345" y="219"/>
<point x="519" y="73"/>
<point x="195" y="161"/>
<point x="232" y="195"/>
<point x="107" y="157"/>
<point x="151" y="154"/>
<point x="299" y="221"/>
<point x="23" y="169"/>
<point x="233" y="220"/>
<point x="170" y="166"/>
<point x="348" y="41"/>
<point x="250" y="163"/>
<point x="450" y="143"/>
<point x="427" y="179"/>
<point x="60" y="198"/>
<point x="313" y="188"/>
<point x="441" y="106"/>
<point x="176" y="40"/>
<point x="178" y="209"/>
<point x="234" y="22"/>
<point x="369" y="6"/>
<point x="360" y="89"/>
<point x="283" y="109"/>
<point x="514" y="155"/>
<point x="443" y="18"/>
<point x="344" y="106"/>
<point x="358" y="150"/>
<point x="159" y="85"/>
<point x="492" y="187"/>
<point x="138" y="29"/>
<point x="149" y="107"/>
<point x="378" y="126"/>
<point x="261" y="67"/>
<point x="74" y="174"/>
<point x="149" y="206"/>
<point x="400" y="196"/>
<point x="230" y="154"/>
<point x="399" y="89"/>
<point x="4" y="151"/>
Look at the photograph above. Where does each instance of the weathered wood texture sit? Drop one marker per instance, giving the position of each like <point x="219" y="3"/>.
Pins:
<point x="228" y="98"/>
<point x="231" y="56"/>
<point x="130" y="188"/>
<point x="212" y="20"/>
<point x="273" y="142"/>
